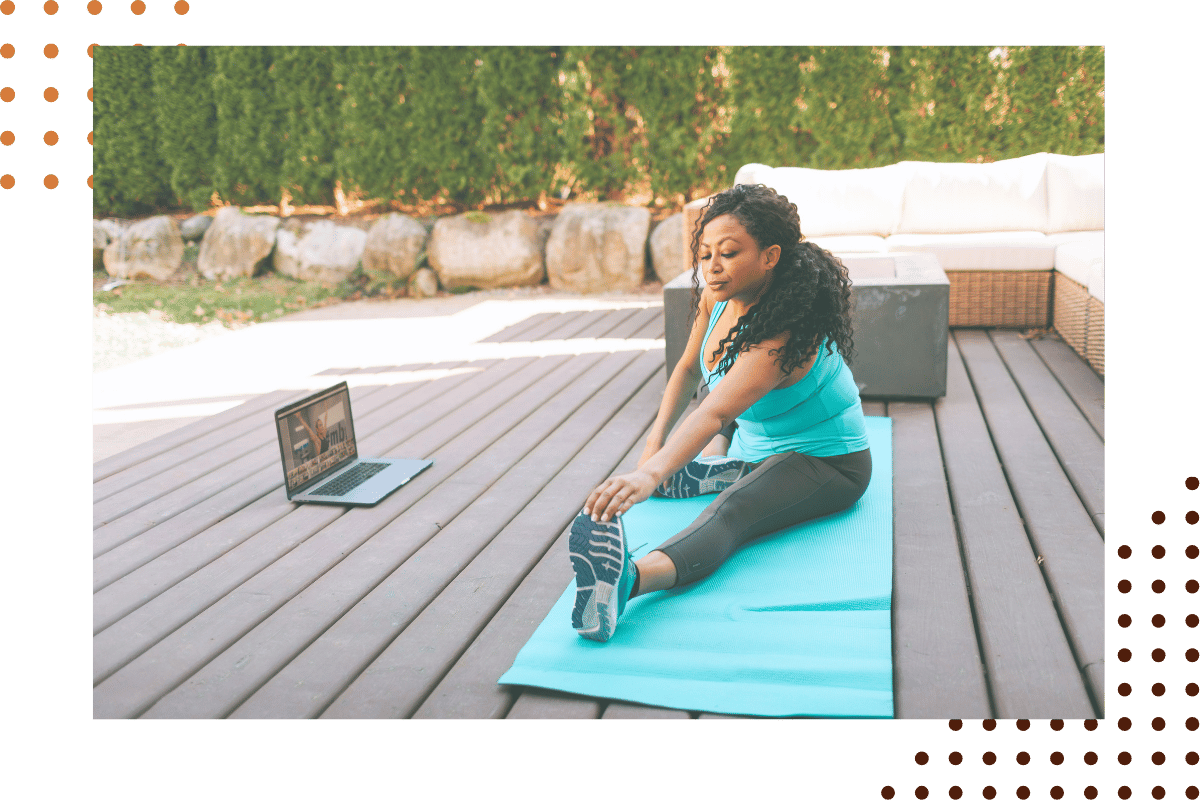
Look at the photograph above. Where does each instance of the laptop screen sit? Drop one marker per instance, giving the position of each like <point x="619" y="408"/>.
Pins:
<point x="316" y="436"/>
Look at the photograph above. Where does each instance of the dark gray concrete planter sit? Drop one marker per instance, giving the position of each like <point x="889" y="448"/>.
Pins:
<point x="901" y="319"/>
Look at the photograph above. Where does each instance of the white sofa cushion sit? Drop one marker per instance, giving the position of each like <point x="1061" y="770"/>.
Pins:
<point x="1082" y="262"/>
<point x="751" y="173"/>
<point x="1096" y="284"/>
<point x="838" y="202"/>
<point x="1007" y="195"/>
<point x="1067" y="237"/>
<point x="850" y="244"/>
<point x="1075" y="193"/>
<point x="998" y="250"/>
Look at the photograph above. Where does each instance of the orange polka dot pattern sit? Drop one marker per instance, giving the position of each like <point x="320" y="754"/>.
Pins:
<point x="1076" y="749"/>
<point x="52" y="50"/>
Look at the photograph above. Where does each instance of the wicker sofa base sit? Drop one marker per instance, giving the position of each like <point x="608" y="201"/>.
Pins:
<point x="1079" y="320"/>
<point x="1000" y="299"/>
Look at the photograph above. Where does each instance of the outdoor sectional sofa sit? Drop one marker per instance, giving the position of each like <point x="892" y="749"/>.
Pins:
<point x="1021" y="240"/>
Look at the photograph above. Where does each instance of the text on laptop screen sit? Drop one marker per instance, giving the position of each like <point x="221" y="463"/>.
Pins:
<point x="316" y="437"/>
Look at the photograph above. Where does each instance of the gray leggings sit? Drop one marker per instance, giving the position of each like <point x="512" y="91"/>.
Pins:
<point x="777" y="493"/>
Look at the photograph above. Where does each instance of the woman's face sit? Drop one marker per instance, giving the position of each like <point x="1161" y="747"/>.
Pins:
<point x="732" y="264"/>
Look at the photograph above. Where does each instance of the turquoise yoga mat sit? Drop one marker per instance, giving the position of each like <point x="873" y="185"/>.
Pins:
<point x="797" y="623"/>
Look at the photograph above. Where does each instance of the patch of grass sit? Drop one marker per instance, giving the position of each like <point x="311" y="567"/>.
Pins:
<point x="233" y="302"/>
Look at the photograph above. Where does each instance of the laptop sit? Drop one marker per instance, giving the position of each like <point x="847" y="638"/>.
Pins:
<point x="320" y="455"/>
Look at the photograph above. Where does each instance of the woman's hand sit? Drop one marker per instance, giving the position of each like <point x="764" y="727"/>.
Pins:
<point x="618" y="494"/>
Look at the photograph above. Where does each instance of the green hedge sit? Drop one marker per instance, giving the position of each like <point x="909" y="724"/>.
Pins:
<point x="487" y="125"/>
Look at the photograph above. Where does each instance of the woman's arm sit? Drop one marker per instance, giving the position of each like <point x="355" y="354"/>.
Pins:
<point x="755" y="373"/>
<point x="682" y="384"/>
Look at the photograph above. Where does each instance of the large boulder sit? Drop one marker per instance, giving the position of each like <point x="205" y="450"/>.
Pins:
<point x="666" y="249"/>
<point x="318" y="251"/>
<point x="99" y="242"/>
<point x="598" y="247"/>
<point x="393" y="244"/>
<point x="149" y="248"/>
<point x="236" y="244"/>
<point x="193" y="228"/>
<point x="486" y="251"/>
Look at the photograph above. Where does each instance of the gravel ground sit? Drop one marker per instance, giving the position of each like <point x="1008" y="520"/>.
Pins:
<point x="120" y="338"/>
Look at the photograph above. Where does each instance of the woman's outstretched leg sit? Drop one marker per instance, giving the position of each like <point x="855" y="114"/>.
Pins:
<point x="782" y="491"/>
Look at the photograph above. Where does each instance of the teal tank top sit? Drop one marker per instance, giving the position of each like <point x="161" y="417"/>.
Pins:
<point x="820" y="415"/>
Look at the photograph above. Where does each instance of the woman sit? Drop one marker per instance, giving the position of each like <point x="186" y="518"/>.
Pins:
<point x="771" y="339"/>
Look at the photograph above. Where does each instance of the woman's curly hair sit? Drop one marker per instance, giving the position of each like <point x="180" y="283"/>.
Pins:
<point x="808" y="295"/>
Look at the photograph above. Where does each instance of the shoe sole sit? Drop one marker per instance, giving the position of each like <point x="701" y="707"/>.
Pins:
<point x="598" y="556"/>
<point x="696" y="479"/>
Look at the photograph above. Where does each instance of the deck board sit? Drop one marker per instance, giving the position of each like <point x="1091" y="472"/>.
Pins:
<point x="1031" y="669"/>
<point x="1076" y="376"/>
<point x="1069" y="548"/>
<point x="935" y="656"/>
<point x="1076" y="444"/>
<point x="215" y="596"/>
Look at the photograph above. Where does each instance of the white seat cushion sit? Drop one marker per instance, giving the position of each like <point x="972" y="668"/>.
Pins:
<point x="1007" y="195"/>
<point x="1096" y="284"/>
<point x="998" y="250"/>
<point x="1095" y="238"/>
<point x="838" y="202"/>
<point x="850" y="244"/>
<point x="1082" y="262"/>
<point x="1075" y="193"/>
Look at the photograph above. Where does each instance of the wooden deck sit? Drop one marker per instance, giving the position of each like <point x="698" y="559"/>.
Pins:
<point x="216" y="597"/>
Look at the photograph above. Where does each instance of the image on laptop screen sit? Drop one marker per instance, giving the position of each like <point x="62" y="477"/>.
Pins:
<point x="316" y="437"/>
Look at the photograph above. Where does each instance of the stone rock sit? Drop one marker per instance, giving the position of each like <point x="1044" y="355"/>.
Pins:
<point x="598" y="247"/>
<point x="486" y="251"/>
<point x="666" y="249"/>
<point x="423" y="283"/>
<point x="193" y="228"/>
<point x="236" y="244"/>
<point x="393" y="244"/>
<point x="318" y="251"/>
<point x="149" y="248"/>
<point x="99" y="242"/>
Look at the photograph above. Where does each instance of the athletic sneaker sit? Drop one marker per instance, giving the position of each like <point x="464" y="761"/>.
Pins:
<point x="604" y="575"/>
<point x="704" y="475"/>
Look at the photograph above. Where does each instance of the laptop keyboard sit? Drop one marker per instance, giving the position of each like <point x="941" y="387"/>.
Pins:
<point x="350" y="479"/>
